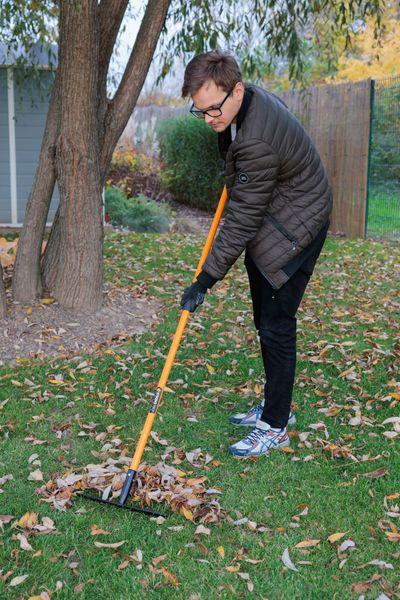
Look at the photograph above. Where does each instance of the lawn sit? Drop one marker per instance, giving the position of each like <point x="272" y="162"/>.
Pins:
<point x="341" y="474"/>
<point x="383" y="220"/>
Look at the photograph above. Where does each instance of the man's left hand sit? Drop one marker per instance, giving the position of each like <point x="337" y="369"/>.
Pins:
<point x="193" y="296"/>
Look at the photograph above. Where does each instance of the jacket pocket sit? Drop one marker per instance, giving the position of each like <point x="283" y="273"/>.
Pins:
<point x="283" y="230"/>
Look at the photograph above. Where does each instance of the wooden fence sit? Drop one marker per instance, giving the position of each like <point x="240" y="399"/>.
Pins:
<point x="337" y="118"/>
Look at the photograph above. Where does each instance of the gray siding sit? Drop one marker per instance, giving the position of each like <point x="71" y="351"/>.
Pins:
<point x="5" y="194"/>
<point x="30" y="119"/>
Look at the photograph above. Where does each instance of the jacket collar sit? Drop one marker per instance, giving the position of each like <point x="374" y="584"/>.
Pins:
<point x="225" y="138"/>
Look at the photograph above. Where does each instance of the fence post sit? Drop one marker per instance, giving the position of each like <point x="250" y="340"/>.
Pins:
<point x="371" y="124"/>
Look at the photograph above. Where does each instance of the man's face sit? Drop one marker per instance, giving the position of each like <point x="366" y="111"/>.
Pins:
<point x="210" y="96"/>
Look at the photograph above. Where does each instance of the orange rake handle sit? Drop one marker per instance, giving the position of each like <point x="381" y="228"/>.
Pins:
<point x="148" y="425"/>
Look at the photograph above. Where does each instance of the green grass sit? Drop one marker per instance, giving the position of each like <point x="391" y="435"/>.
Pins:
<point x="348" y="318"/>
<point x="383" y="219"/>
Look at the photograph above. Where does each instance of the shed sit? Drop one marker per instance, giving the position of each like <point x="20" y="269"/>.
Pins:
<point x="23" y="110"/>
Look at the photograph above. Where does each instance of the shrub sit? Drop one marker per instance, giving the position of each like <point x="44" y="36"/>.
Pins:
<point x="136" y="173"/>
<point x="192" y="166"/>
<point x="137" y="214"/>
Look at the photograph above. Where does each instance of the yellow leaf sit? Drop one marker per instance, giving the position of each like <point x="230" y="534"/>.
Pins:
<point x="307" y="543"/>
<point x="187" y="513"/>
<point x="28" y="520"/>
<point x="258" y="388"/>
<point x="56" y="382"/>
<point x="210" y="369"/>
<point x="221" y="551"/>
<point x="334" y="537"/>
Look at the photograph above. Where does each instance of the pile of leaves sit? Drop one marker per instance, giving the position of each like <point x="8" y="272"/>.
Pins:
<point x="161" y="483"/>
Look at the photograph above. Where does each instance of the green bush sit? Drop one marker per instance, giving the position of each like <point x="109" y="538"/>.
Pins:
<point x="192" y="165"/>
<point x="137" y="214"/>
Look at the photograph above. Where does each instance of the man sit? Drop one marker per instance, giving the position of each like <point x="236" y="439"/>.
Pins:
<point x="279" y="202"/>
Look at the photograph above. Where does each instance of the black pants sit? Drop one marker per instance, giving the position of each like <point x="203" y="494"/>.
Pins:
<point x="275" y="320"/>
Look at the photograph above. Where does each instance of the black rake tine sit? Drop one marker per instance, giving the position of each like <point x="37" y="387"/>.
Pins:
<point x="145" y="511"/>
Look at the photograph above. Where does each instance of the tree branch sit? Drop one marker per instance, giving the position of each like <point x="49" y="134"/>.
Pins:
<point x="134" y="76"/>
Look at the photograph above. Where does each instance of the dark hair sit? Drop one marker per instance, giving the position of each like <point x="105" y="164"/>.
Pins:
<point x="219" y="66"/>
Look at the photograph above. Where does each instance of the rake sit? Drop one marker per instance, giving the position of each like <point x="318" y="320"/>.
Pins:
<point x="155" y="402"/>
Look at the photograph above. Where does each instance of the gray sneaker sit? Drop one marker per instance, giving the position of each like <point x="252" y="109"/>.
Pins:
<point x="250" y="418"/>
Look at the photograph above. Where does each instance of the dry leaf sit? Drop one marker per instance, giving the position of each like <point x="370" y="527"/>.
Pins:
<point x="307" y="543"/>
<point x="334" y="537"/>
<point x="110" y="545"/>
<point x="28" y="520"/>
<point x="94" y="530"/>
<point x="17" y="580"/>
<point x="203" y="530"/>
<point x="170" y="576"/>
<point x="221" y="551"/>
<point x="377" y="473"/>
<point x="287" y="561"/>
<point x="36" y="475"/>
<point x="23" y="542"/>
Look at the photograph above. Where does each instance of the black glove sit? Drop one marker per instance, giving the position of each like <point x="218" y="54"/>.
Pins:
<point x="193" y="296"/>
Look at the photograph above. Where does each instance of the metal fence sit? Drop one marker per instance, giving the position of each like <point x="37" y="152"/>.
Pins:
<point x="383" y="197"/>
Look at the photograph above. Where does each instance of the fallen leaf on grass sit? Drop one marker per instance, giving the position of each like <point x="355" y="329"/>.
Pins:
<point x="23" y="542"/>
<point x="174" y="580"/>
<point x="95" y="530"/>
<point x="36" y="475"/>
<point x="307" y="543"/>
<point x="110" y="545"/>
<point x="377" y="473"/>
<point x="346" y="545"/>
<point x="221" y="551"/>
<point x="287" y="561"/>
<point x="17" y="580"/>
<point x="360" y="587"/>
<point x="203" y="530"/>
<point x="28" y="520"/>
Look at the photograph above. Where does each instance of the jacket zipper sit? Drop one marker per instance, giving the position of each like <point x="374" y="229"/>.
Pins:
<point x="282" y="229"/>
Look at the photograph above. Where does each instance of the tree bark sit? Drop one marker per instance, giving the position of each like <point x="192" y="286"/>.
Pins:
<point x="50" y="261"/>
<point x="26" y="277"/>
<point x="82" y="129"/>
<point x="3" y="300"/>
<point x="79" y="278"/>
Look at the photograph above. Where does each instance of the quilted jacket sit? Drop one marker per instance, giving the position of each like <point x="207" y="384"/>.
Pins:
<point x="279" y="195"/>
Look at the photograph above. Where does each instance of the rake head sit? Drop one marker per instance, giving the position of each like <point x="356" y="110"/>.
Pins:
<point x="129" y="479"/>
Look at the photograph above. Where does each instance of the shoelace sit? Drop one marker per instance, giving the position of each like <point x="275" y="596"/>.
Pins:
<point x="255" y="409"/>
<point x="255" y="435"/>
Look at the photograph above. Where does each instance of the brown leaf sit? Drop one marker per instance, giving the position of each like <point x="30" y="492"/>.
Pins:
<point x="170" y="576"/>
<point x="95" y="530"/>
<point x="377" y="473"/>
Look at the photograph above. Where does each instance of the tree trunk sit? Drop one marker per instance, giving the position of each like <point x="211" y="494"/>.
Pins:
<point x="26" y="277"/>
<point x="79" y="278"/>
<point x="3" y="301"/>
<point x="83" y="126"/>
<point x="51" y="255"/>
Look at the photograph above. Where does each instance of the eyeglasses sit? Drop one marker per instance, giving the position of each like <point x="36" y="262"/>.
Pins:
<point x="211" y="112"/>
